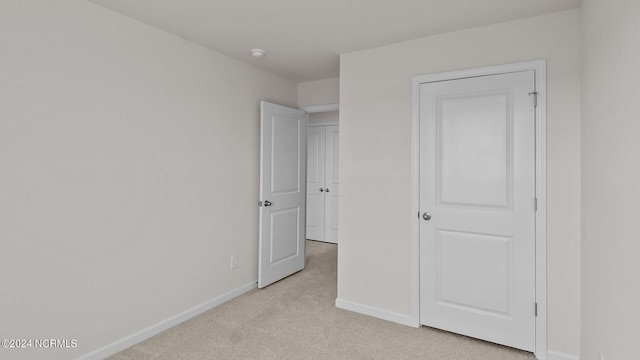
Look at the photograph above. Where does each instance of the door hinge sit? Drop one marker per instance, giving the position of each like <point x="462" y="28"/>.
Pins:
<point x="535" y="309"/>
<point x="535" y="98"/>
<point x="535" y="204"/>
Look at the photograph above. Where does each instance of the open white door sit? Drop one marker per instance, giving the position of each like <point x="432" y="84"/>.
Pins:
<point x="283" y="158"/>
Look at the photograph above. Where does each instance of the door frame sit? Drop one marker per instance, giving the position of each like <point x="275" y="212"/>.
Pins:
<point x="539" y="67"/>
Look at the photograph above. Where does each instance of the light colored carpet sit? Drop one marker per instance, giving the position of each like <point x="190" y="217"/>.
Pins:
<point x="296" y="319"/>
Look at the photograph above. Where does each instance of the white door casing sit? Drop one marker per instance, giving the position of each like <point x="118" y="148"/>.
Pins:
<point x="477" y="183"/>
<point x="283" y="136"/>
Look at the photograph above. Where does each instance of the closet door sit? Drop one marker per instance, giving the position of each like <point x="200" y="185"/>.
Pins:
<point x="315" y="183"/>
<point x="331" y="184"/>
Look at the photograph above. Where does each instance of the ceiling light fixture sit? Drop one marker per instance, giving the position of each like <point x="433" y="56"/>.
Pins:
<point x="258" y="53"/>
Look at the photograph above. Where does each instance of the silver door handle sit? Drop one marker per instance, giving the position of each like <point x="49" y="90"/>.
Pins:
<point x="426" y="216"/>
<point x="327" y="189"/>
<point x="267" y="203"/>
<point x="321" y="189"/>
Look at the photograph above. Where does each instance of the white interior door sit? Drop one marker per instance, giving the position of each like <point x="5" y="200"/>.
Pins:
<point x="315" y="182"/>
<point x="283" y="138"/>
<point x="332" y="185"/>
<point x="477" y="190"/>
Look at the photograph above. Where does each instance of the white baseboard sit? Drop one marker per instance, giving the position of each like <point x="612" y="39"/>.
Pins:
<point x="555" y="355"/>
<point x="152" y="330"/>
<point x="409" y="321"/>
<point x="377" y="312"/>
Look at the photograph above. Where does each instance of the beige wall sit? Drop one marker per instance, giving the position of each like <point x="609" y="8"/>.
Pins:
<point x="374" y="267"/>
<point x="610" y="179"/>
<point x="129" y="174"/>
<point x="319" y="92"/>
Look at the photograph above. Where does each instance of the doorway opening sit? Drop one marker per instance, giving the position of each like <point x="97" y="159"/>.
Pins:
<point x="283" y="185"/>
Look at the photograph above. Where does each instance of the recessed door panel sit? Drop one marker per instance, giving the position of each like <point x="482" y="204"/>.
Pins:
<point x="474" y="272"/>
<point x="332" y="221"/>
<point x="474" y="152"/>
<point x="314" y="171"/>
<point x="285" y="150"/>
<point x="315" y="213"/>
<point x="284" y="232"/>
<point x="335" y="159"/>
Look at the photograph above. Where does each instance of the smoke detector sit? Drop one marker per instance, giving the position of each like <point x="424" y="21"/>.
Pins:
<point x="258" y="53"/>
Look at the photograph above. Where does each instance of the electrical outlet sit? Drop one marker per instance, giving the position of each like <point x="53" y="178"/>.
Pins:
<point x="234" y="261"/>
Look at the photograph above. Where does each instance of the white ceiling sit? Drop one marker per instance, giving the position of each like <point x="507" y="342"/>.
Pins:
<point x="304" y="38"/>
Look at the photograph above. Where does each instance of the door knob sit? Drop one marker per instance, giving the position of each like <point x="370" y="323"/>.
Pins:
<point x="327" y="189"/>
<point x="267" y="203"/>
<point x="426" y="216"/>
<point x="321" y="189"/>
